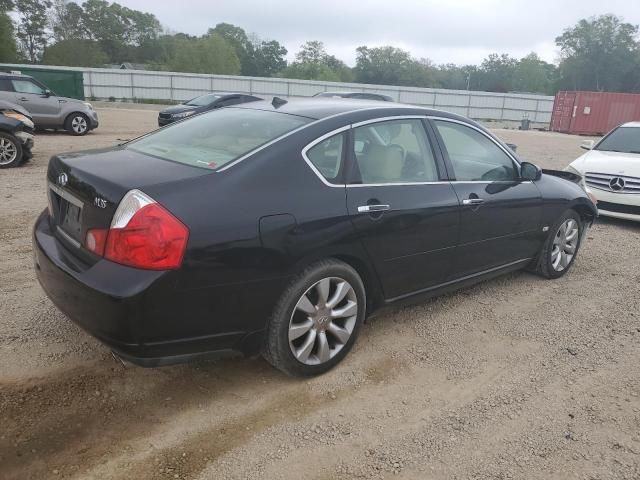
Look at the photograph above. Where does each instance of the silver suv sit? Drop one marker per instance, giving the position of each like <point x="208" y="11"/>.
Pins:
<point x="47" y="109"/>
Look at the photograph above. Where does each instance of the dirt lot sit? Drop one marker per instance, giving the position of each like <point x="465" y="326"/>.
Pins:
<point x="515" y="378"/>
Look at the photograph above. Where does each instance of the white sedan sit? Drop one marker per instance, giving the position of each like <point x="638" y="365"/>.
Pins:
<point x="610" y="171"/>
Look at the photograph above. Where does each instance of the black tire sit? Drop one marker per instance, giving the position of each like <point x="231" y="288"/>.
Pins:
<point x="276" y="349"/>
<point x="74" y="119"/>
<point x="544" y="265"/>
<point x="10" y="142"/>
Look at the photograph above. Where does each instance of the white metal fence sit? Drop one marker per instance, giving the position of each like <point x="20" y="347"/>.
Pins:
<point x="103" y="83"/>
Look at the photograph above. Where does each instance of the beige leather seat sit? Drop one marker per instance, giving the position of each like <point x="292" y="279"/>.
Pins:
<point x="382" y="164"/>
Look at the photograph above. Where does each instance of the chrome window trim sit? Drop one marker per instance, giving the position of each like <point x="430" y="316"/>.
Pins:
<point x="479" y="130"/>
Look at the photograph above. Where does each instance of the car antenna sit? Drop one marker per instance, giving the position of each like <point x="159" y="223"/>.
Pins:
<point x="277" y="102"/>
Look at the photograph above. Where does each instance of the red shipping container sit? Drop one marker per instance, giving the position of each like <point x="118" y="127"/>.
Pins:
<point x="593" y="113"/>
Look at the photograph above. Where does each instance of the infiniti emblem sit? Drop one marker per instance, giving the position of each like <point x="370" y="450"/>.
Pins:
<point x="616" y="184"/>
<point x="62" y="179"/>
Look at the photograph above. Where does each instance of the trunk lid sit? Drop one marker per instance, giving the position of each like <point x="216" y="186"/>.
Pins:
<point x="85" y="188"/>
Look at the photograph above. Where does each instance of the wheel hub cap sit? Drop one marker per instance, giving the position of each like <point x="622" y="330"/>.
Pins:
<point x="323" y="320"/>
<point x="565" y="244"/>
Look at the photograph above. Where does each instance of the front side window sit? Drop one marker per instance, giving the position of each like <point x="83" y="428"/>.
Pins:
<point x="397" y="151"/>
<point x="27" y="86"/>
<point x="203" y="101"/>
<point x="216" y="138"/>
<point x="622" y="139"/>
<point x="326" y="156"/>
<point x="474" y="156"/>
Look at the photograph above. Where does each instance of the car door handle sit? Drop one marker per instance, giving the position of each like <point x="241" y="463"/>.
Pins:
<point x="373" y="208"/>
<point x="472" y="201"/>
<point x="24" y="99"/>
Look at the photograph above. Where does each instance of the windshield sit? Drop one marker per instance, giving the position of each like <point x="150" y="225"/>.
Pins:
<point x="622" y="139"/>
<point x="216" y="138"/>
<point x="203" y="100"/>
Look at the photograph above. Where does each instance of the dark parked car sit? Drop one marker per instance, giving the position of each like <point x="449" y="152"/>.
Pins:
<point x="278" y="227"/>
<point x="201" y="104"/>
<point x="16" y="135"/>
<point x="355" y="95"/>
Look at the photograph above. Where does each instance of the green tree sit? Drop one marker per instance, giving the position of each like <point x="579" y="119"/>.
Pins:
<point x="208" y="54"/>
<point x="270" y="58"/>
<point x="496" y="73"/>
<point x="8" y="50"/>
<point x="392" y="66"/>
<point x="532" y="74"/>
<point x="239" y="40"/>
<point x="75" y="53"/>
<point x="67" y="21"/>
<point x="314" y="63"/>
<point x="32" y="27"/>
<point x="600" y="53"/>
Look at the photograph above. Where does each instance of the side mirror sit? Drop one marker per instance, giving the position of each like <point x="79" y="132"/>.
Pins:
<point x="529" y="171"/>
<point x="587" y="145"/>
<point x="47" y="93"/>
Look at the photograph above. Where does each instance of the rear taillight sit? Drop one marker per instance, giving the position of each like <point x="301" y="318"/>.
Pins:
<point x="143" y="234"/>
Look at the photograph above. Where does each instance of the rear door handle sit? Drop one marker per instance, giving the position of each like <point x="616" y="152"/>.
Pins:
<point x="373" y="208"/>
<point x="472" y="201"/>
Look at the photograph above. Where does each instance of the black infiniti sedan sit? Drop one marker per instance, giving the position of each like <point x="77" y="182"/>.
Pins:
<point x="200" y="104"/>
<point x="279" y="227"/>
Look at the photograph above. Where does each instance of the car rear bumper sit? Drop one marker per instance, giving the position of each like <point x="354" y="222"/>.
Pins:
<point x="140" y="314"/>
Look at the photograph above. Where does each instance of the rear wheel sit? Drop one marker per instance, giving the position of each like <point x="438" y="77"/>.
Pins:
<point x="77" y="124"/>
<point x="10" y="151"/>
<point x="561" y="247"/>
<point x="317" y="319"/>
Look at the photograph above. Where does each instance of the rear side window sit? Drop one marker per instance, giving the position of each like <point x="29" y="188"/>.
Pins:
<point x="397" y="151"/>
<point x="218" y="137"/>
<point x="474" y="156"/>
<point x="327" y="155"/>
<point x="27" y="86"/>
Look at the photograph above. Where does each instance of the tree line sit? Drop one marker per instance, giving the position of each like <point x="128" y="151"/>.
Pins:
<point x="600" y="53"/>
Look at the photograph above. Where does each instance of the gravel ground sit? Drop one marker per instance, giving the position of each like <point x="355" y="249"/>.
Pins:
<point x="515" y="378"/>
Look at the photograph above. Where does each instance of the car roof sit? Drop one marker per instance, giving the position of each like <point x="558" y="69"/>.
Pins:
<point x="13" y="75"/>
<point x="319" y="108"/>
<point x="631" y="124"/>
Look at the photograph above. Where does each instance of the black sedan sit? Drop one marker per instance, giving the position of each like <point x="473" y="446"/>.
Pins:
<point x="200" y="104"/>
<point x="279" y="227"/>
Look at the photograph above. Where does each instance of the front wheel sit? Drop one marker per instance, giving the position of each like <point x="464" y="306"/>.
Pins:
<point x="317" y="319"/>
<point x="561" y="247"/>
<point x="10" y="151"/>
<point x="77" y="124"/>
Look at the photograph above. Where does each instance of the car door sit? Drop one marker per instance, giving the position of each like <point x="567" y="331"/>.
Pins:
<point x="401" y="205"/>
<point x="43" y="107"/>
<point x="500" y="213"/>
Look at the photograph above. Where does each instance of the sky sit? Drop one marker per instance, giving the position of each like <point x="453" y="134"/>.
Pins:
<point x="444" y="31"/>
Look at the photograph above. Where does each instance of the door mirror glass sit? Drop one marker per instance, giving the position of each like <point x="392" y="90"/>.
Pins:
<point x="47" y="93"/>
<point x="529" y="171"/>
<point x="587" y="145"/>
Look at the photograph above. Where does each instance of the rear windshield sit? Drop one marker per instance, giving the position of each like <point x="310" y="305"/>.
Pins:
<point x="623" y="139"/>
<point x="202" y="101"/>
<point x="216" y="138"/>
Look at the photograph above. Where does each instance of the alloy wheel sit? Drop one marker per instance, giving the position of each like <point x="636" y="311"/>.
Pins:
<point x="79" y="124"/>
<point x="8" y="151"/>
<point x="565" y="244"/>
<point x="323" y="321"/>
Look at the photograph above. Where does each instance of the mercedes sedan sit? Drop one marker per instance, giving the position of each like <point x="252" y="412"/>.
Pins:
<point x="279" y="227"/>
<point x="611" y="171"/>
